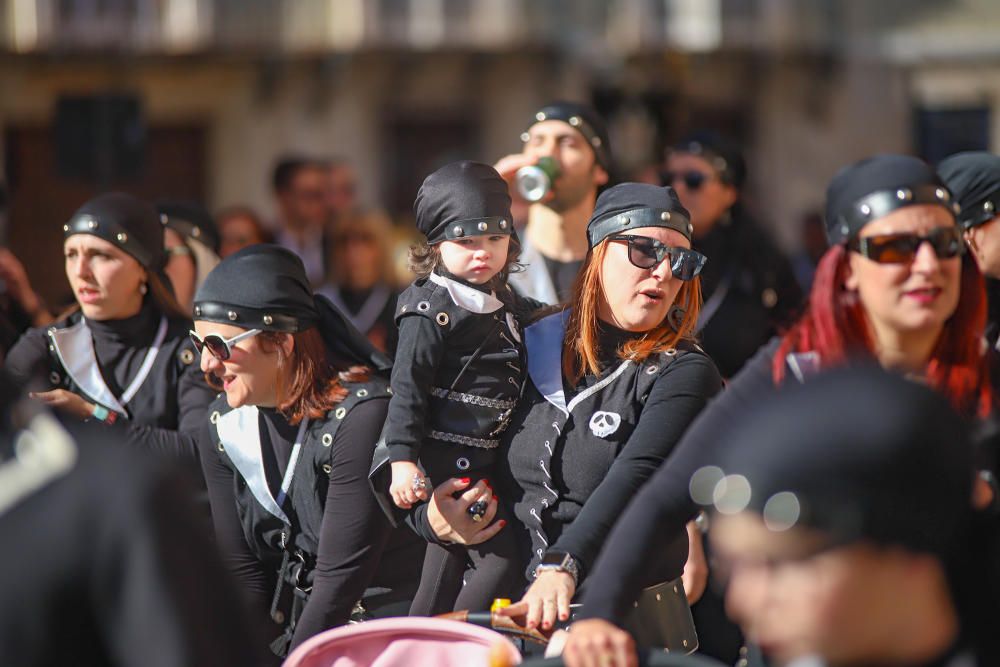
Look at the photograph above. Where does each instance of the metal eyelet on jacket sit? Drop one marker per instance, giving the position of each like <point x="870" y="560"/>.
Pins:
<point x="327" y="439"/>
<point x="327" y="468"/>
<point x="362" y="393"/>
<point x="55" y="378"/>
<point x="463" y="463"/>
<point x="652" y="370"/>
<point x="443" y="319"/>
<point x="340" y="412"/>
<point x="424" y="306"/>
<point x="215" y="417"/>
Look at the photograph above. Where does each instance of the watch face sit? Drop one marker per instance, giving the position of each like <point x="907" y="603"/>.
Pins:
<point x="555" y="559"/>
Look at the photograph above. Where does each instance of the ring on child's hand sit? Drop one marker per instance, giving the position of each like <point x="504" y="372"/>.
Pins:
<point x="420" y="483"/>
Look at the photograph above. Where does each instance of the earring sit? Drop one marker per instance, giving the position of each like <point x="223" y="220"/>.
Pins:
<point x="675" y="316"/>
<point x="143" y="289"/>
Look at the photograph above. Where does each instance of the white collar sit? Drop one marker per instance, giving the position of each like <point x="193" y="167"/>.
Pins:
<point x="468" y="297"/>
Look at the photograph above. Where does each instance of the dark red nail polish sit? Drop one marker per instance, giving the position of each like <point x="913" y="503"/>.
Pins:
<point x="465" y="480"/>
<point x="503" y="522"/>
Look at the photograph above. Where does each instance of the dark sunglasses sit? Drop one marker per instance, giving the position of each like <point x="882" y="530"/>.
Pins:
<point x="693" y="180"/>
<point x="902" y="248"/>
<point x="645" y="253"/>
<point x="219" y="347"/>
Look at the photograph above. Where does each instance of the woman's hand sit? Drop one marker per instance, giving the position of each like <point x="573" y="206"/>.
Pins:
<point x="449" y="517"/>
<point x="66" y="401"/>
<point x="695" y="575"/>
<point x="596" y="643"/>
<point x="547" y="600"/>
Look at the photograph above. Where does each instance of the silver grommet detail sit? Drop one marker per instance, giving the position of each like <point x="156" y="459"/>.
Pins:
<point x="676" y="591"/>
<point x="164" y="219"/>
<point x="221" y="447"/>
<point x="665" y="216"/>
<point x="670" y="351"/>
<point x="362" y="393"/>
<point x="388" y="390"/>
<point x="652" y="370"/>
<point x="482" y="226"/>
<point x="327" y="439"/>
<point x="187" y="357"/>
<point x="525" y="136"/>
<point x="503" y="224"/>
<point x="443" y="319"/>
<point x="866" y="209"/>
<point x="52" y="348"/>
<point x="690" y="228"/>
<point x="635" y="604"/>
<point x="626" y="220"/>
<point x="769" y="297"/>
<point x="403" y="308"/>
<point x="214" y="418"/>
<point x="659" y="596"/>
<point x="988" y="207"/>
<point x="92" y="224"/>
<point x="845" y="230"/>
<point x="279" y="616"/>
<point x="327" y="468"/>
<point x="51" y="330"/>
<point x="540" y="116"/>
<point x="596" y="141"/>
<point x="55" y="378"/>
<point x="463" y="463"/>
<point x="941" y="194"/>
<point x="122" y="237"/>
<point x="268" y="320"/>
<point x="904" y="195"/>
<point x="232" y="315"/>
<point x="424" y="306"/>
<point x="65" y="228"/>
<point x="684" y="642"/>
<point x="196" y="232"/>
<point x="574" y="121"/>
<point x="340" y="412"/>
<point x="458" y="231"/>
<point x="197" y="311"/>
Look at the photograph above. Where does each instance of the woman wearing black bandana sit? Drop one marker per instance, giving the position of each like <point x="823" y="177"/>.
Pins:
<point x="613" y="382"/>
<point x="893" y="288"/>
<point x="123" y="357"/>
<point x="287" y="447"/>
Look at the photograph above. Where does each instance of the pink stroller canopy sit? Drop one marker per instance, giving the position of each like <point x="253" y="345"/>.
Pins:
<point x="413" y="642"/>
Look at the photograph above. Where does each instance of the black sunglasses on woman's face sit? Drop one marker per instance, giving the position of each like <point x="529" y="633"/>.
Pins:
<point x="219" y="347"/>
<point x="693" y="179"/>
<point x="646" y="253"/>
<point x="902" y="248"/>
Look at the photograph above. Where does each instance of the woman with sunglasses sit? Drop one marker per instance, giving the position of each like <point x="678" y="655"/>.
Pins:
<point x="122" y="357"/>
<point x="614" y="380"/>
<point x="893" y="288"/>
<point x="749" y="287"/>
<point x="287" y="447"/>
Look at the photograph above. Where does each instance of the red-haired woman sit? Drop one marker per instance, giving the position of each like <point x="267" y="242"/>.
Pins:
<point x="288" y="445"/>
<point x="614" y="381"/>
<point x="893" y="288"/>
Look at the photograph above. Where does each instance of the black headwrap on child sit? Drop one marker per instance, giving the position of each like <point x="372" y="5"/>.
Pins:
<point x="873" y="188"/>
<point x="463" y="199"/>
<point x="190" y="220"/>
<point x="974" y="180"/>
<point x="265" y="287"/>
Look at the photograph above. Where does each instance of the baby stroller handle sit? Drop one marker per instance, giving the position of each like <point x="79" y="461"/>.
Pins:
<point x="502" y="624"/>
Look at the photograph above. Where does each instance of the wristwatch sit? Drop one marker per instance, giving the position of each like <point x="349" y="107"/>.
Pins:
<point x="560" y="561"/>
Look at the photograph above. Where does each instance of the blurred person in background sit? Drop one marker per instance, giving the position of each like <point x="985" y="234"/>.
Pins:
<point x="192" y="243"/>
<point x="106" y="560"/>
<point x="300" y="189"/>
<point x="360" y="276"/>
<point x="974" y="179"/>
<point x="239" y="226"/>
<point x="750" y="288"/>
<point x="893" y="288"/>
<point x="554" y="240"/>
<point x="122" y="357"/>
<point x="341" y="190"/>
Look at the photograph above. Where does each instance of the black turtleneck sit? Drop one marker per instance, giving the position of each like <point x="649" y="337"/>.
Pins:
<point x="167" y="410"/>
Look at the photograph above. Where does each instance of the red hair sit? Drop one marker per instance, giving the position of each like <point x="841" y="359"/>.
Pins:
<point x="309" y="382"/>
<point x="836" y="327"/>
<point x="580" y="347"/>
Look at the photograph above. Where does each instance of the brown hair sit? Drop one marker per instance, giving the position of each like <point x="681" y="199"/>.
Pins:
<point x="424" y="257"/>
<point x="580" y="347"/>
<point x="310" y="383"/>
<point x="373" y="225"/>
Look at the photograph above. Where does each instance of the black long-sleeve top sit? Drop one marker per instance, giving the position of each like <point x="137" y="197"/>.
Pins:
<point x="568" y="483"/>
<point x="353" y="532"/>
<point x="167" y="412"/>
<point x="664" y="505"/>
